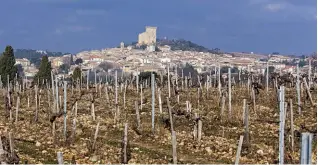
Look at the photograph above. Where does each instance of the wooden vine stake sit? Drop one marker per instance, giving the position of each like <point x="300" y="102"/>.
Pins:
<point x="169" y="92"/>
<point x="87" y="82"/>
<point x="230" y="92"/>
<point x="137" y="82"/>
<point x="65" y="106"/>
<point x="153" y="103"/>
<point x="174" y="147"/>
<point x="298" y="90"/>
<point x="137" y="115"/>
<point x="281" y="123"/>
<point x="11" y="144"/>
<point x="199" y="130"/>
<point x="116" y="97"/>
<point x="125" y="143"/>
<point x="238" y="152"/>
<point x="57" y="96"/>
<point x="92" y="107"/>
<point x="246" y="126"/>
<point x="17" y="109"/>
<point x="170" y="115"/>
<point x="140" y="96"/>
<point x="160" y="101"/>
<point x="195" y="127"/>
<point x="73" y="131"/>
<point x="60" y="158"/>
<point x="291" y="123"/>
<point x="219" y="80"/>
<point x="106" y="92"/>
<point x="244" y="107"/>
<point x="125" y="88"/>
<point x="222" y="106"/>
<point x="95" y="137"/>
<point x="187" y="106"/>
<point x="308" y="92"/>
<point x="267" y="77"/>
<point x="36" y="104"/>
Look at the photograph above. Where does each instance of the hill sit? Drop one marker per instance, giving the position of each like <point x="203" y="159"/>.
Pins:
<point x="30" y="53"/>
<point x="182" y="44"/>
<point x="35" y="55"/>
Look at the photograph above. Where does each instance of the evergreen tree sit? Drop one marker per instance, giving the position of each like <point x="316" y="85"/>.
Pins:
<point x="71" y="60"/>
<point x="147" y="75"/>
<point x="77" y="73"/>
<point x="44" y="72"/>
<point x="64" y="68"/>
<point x="225" y="69"/>
<point x="271" y="69"/>
<point x="7" y="65"/>
<point x="78" y="61"/>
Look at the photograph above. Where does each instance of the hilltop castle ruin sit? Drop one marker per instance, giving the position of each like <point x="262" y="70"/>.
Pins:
<point x="148" y="37"/>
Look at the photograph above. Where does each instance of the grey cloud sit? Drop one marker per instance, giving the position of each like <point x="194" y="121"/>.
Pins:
<point x="286" y="9"/>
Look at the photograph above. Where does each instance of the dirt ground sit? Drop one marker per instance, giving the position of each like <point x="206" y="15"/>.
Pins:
<point x="34" y="141"/>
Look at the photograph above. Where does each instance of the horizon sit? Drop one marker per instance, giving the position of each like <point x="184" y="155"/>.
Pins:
<point x="259" y="26"/>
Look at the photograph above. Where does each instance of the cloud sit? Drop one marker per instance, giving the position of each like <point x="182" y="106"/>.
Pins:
<point x="274" y="7"/>
<point x="286" y="9"/>
<point x="72" y="29"/>
<point x="58" y="31"/>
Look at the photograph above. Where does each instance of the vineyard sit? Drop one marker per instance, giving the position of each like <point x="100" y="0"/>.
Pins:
<point x="158" y="120"/>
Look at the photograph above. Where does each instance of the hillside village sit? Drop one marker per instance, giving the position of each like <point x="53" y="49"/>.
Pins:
<point x="133" y="59"/>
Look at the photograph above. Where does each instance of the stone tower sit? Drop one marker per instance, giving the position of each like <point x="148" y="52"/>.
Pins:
<point x="122" y="46"/>
<point x="148" y="37"/>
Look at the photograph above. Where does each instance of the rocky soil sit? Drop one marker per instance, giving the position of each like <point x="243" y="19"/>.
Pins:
<point x="34" y="141"/>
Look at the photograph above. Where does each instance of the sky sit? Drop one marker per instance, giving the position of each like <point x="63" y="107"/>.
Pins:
<point x="259" y="26"/>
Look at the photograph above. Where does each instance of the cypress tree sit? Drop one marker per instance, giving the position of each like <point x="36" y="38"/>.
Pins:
<point x="7" y="65"/>
<point x="44" y="72"/>
<point x="77" y="73"/>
